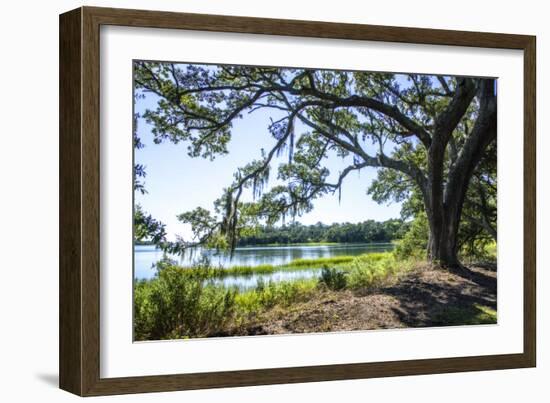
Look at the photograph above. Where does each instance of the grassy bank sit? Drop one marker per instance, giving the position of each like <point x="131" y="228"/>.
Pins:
<point x="182" y="303"/>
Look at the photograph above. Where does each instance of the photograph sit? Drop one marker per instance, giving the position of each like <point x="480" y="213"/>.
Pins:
<point x="274" y="200"/>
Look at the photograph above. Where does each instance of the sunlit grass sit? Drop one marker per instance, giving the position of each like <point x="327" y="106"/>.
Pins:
<point x="269" y="294"/>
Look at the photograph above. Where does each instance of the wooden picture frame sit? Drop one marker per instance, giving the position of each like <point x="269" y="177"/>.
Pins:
<point x="79" y="346"/>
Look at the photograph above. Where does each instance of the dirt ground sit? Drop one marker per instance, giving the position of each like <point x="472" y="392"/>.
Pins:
<point x="421" y="298"/>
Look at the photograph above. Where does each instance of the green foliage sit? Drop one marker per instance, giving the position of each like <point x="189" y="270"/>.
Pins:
<point x="478" y="232"/>
<point x="204" y="227"/>
<point x="415" y="242"/>
<point x="333" y="279"/>
<point x="146" y="228"/>
<point x="180" y="304"/>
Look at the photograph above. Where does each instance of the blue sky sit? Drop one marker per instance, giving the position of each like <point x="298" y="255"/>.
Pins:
<point x="177" y="183"/>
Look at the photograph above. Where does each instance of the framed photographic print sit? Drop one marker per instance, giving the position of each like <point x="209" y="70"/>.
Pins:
<point x="249" y="201"/>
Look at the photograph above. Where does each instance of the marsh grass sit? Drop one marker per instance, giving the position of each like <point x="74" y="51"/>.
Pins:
<point x="295" y="265"/>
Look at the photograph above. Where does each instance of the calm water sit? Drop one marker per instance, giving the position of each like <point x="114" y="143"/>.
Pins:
<point x="146" y="255"/>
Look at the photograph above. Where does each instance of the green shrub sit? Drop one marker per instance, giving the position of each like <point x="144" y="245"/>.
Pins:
<point x="333" y="279"/>
<point x="180" y="303"/>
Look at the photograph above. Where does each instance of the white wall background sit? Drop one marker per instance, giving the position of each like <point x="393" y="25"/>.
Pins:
<point x="29" y="199"/>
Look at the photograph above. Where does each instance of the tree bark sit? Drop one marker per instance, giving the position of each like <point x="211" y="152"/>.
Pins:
<point x="444" y="222"/>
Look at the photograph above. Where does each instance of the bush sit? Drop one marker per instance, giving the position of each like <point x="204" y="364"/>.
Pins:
<point x="415" y="241"/>
<point x="179" y="303"/>
<point x="333" y="279"/>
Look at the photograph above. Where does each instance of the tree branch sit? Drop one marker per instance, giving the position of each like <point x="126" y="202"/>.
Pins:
<point x="447" y="120"/>
<point x="483" y="133"/>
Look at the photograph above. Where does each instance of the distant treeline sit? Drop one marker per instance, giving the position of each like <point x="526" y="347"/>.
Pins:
<point x="143" y="243"/>
<point x="367" y="231"/>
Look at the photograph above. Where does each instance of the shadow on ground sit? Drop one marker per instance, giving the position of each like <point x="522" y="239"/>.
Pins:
<point x="439" y="298"/>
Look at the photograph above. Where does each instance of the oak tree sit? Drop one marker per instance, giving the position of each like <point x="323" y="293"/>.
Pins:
<point x="426" y="135"/>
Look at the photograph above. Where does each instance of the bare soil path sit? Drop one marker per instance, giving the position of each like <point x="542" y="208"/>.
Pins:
<point x="421" y="298"/>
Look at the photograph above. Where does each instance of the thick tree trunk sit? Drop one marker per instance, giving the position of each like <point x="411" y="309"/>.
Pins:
<point x="443" y="252"/>
<point x="443" y="239"/>
<point x="444" y="199"/>
<point x="443" y="215"/>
